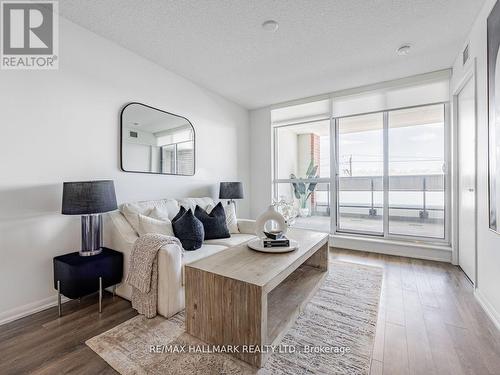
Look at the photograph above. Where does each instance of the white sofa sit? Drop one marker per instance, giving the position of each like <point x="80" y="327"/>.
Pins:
<point x="120" y="235"/>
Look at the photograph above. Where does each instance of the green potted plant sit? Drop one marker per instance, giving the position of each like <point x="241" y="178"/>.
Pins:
<point x="304" y="190"/>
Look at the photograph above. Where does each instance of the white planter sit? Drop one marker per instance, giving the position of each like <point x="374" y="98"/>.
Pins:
<point x="304" y="212"/>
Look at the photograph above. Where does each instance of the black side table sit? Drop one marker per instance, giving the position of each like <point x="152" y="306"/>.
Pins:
<point x="76" y="276"/>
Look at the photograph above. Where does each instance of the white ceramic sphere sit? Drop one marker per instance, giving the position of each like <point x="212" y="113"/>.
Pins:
<point x="270" y="215"/>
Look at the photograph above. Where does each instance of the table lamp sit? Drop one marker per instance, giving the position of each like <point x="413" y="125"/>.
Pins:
<point x="231" y="191"/>
<point x="89" y="199"/>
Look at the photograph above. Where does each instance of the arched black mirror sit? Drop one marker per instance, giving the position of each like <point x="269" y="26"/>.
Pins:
<point x="155" y="141"/>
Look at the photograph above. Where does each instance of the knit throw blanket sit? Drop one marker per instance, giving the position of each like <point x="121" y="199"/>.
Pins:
<point x="143" y="271"/>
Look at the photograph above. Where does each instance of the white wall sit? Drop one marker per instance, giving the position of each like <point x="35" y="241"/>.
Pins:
<point x="64" y="125"/>
<point x="287" y="152"/>
<point x="143" y="153"/>
<point x="260" y="160"/>
<point x="303" y="153"/>
<point x="488" y="242"/>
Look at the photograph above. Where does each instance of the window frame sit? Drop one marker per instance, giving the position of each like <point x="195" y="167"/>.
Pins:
<point x="176" y="156"/>
<point x="334" y="174"/>
<point x="447" y="181"/>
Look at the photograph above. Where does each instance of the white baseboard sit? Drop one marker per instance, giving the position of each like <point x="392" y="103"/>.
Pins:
<point x="30" y="308"/>
<point x="488" y="308"/>
<point x="398" y="248"/>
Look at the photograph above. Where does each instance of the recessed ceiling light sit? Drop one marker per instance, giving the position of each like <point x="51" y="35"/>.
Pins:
<point x="403" y="50"/>
<point x="270" y="25"/>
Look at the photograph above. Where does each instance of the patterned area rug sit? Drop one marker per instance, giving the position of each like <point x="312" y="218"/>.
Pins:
<point x="334" y="335"/>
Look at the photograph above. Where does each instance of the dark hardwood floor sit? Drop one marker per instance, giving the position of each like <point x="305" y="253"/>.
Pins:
<point x="429" y="323"/>
<point x="45" y="344"/>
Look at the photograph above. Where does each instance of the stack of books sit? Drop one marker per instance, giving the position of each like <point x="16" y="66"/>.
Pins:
<point x="279" y="242"/>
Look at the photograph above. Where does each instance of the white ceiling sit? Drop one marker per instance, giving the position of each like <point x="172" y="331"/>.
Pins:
<point x="320" y="46"/>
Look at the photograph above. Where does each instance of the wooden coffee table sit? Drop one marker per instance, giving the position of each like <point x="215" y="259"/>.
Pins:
<point x="244" y="298"/>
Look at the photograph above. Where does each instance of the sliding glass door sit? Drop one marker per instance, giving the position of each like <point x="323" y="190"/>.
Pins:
<point x="391" y="173"/>
<point x="360" y="145"/>
<point x="416" y="157"/>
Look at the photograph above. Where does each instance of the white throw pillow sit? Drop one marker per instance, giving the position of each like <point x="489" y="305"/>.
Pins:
<point x="150" y="225"/>
<point x="231" y="220"/>
<point x="159" y="214"/>
<point x="131" y="212"/>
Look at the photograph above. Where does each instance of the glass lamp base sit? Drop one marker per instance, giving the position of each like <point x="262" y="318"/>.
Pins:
<point x="88" y="253"/>
<point x="91" y="235"/>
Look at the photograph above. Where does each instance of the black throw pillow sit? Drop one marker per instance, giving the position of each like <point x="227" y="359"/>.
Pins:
<point x="188" y="229"/>
<point x="181" y="212"/>
<point x="214" y="223"/>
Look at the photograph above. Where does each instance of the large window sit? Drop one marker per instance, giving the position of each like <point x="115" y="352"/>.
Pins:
<point x="302" y="167"/>
<point x="370" y="163"/>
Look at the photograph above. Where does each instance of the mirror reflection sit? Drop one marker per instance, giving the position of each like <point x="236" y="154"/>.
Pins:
<point x="155" y="141"/>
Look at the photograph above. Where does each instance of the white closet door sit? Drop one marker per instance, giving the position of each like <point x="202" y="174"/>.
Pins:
<point x="467" y="180"/>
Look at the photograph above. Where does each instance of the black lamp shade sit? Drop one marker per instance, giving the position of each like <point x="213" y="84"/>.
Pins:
<point x="231" y="190"/>
<point x="88" y="197"/>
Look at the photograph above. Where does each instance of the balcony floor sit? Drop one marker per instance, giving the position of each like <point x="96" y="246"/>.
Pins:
<point x="397" y="227"/>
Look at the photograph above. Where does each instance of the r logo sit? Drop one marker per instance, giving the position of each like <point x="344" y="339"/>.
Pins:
<point x="28" y="28"/>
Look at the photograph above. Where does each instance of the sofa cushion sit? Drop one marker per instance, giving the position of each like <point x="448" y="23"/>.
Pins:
<point x="189" y="230"/>
<point x="191" y="203"/>
<point x="204" y="251"/>
<point x="234" y="240"/>
<point x="214" y="222"/>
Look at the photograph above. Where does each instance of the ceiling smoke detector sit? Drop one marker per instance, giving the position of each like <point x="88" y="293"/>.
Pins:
<point x="403" y="50"/>
<point x="270" y="25"/>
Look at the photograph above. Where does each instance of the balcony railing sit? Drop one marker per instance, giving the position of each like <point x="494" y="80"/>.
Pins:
<point x="422" y="184"/>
